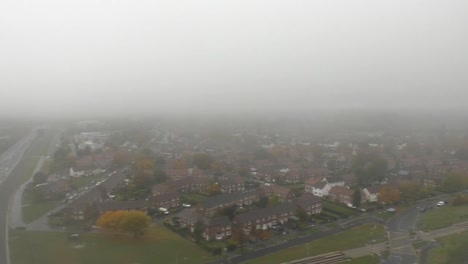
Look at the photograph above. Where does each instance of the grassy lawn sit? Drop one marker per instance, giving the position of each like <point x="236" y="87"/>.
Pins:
<point x="26" y="166"/>
<point x="159" y="245"/>
<point x="338" y="208"/>
<point x="33" y="210"/>
<point x="452" y="250"/>
<point x="352" y="238"/>
<point x="442" y="217"/>
<point x="194" y="198"/>
<point x="24" y="171"/>
<point x="371" y="259"/>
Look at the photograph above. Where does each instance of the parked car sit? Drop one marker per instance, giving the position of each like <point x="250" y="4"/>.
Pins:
<point x="186" y="205"/>
<point x="441" y="203"/>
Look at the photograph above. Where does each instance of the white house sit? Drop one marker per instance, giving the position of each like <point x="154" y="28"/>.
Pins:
<point x="371" y="193"/>
<point x="321" y="189"/>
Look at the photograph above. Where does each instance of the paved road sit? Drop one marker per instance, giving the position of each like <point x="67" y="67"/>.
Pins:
<point x="8" y="185"/>
<point x="401" y="249"/>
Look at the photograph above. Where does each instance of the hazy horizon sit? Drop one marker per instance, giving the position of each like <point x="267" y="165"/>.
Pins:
<point x="101" y="57"/>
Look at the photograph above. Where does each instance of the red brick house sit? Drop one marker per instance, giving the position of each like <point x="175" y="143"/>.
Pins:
<point x="264" y="218"/>
<point x="167" y="200"/>
<point x="217" y="228"/>
<point x="140" y="205"/>
<point x="210" y="206"/>
<point x="284" y="194"/>
<point x="341" y="194"/>
<point x="310" y="203"/>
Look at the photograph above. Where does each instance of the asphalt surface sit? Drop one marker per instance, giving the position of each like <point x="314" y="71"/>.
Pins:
<point x="8" y="161"/>
<point x="401" y="249"/>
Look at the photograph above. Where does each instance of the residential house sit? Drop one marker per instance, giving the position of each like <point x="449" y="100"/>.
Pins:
<point x="264" y="218"/>
<point x="210" y="206"/>
<point x="231" y="184"/>
<point x="167" y="200"/>
<point x="371" y="193"/>
<point x="110" y="205"/>
<point x="321" y="189"/>
<point x="190" y="184"/>
<point x="283" y="194"/>
<point x="341" y="194"/>
<point x="308" y="185"/>
<point x="177" y="174"/>
<point x="85" y="206"/>
<point x="217" y="228"/>
<point x="310" y="203"/>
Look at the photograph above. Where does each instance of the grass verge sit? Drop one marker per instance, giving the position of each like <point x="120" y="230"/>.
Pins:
<point x="352" y="238"/>
<point x="452" y="250"/>
<point x="442" y="217"/>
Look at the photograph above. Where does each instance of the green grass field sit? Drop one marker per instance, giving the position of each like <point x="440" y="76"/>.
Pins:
<point x="353" y="238"/>
<point x="26" y="166"/>
<point x="33" y="210"/>
<point x="24" y="171"/>
<point x="371" y="259"/>
<point x="159" y="245"/>
<point x="338" y="208"/>
<point x="442" y="217"/>
<point x="452" y="250"/>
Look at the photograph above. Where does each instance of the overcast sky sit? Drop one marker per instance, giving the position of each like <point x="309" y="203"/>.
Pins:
<point x="142" y="56"/>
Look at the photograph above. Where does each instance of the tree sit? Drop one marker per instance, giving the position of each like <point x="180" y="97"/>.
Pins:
<point x="331" y="164"/>
<point x="454" y="182"/>
<point x="134" y="222"/>
<point x="229" y="211"/>
<point x="389" y="195"/>
<point x="274" y="200"/>
<point x="202" y="161"/>
<point x="263" y="202"/>
<point x="39" y="177"/>
<point x="160" y="176"/>
<point x="301" y="214"/>
<point x="357" y="197"/>
<point x="369" y="168"/>
<point x="410" y="190"/>
<point x="120" y="158"/>
<point x="462" y="152"/>
<point x="214" y="189"/>
<point x="110" y="220"/>
<point x="198" y="229"/>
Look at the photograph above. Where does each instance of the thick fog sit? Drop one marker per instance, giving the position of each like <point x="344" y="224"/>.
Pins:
<point x="114" y="57"/>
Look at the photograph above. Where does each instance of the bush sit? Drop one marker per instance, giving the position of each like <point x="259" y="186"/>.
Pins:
<point x="460" y="200"/>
